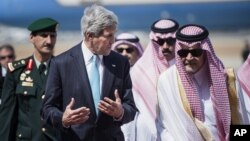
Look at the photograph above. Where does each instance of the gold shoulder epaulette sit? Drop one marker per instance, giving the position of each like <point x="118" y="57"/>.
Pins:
<point x="16" y="64"/>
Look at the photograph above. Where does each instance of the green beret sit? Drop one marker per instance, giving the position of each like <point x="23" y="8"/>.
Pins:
<point x="44" y="24"/>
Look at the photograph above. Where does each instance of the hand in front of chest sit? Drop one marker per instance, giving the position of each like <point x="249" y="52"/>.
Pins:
<point x="77" y="116"/>
<point x="112" y="108"/>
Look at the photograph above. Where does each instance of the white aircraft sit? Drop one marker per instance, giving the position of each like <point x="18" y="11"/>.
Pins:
<point x="132" y="14"/>
<point x="135" y="16"/>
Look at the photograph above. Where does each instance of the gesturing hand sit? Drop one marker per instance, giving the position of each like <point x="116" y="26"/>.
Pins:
<point x="77" y="116"/>
<point x="110" y="107"/>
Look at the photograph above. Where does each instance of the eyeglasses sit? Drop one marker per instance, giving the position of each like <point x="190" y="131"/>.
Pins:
<point x="128" y="50"/>
<point x="194" y="52"/>
<point x="170" y="41"/>
<point x="8" y="56"/>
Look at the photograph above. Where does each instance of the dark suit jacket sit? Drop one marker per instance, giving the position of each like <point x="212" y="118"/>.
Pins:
<point x="1" y="81"/>
<point x="68" y="78"/>
<point x="21" y="103"/>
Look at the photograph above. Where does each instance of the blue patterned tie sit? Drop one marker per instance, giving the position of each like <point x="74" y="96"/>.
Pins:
<point x="95" y="81"/>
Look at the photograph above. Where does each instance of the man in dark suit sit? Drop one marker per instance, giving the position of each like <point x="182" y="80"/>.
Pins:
<point x="7" y="55"/>
<point x="81" y="109"/>
<point x="24" y="88"/>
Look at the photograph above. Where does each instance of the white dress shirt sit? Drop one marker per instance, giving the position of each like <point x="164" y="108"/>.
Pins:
<point x="4" y="71"/>
<point x="38" y="63"/>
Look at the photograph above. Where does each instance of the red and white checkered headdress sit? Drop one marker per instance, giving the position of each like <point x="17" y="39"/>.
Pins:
<point x="189" y="35"/>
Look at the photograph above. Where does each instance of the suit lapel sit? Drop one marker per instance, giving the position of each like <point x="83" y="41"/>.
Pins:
<point x="34" y="74"/>
<point x="1" y="77"/>
<point x="108" y="76"/>
<point x="78" y="60"/>
<point x="1" y="72"/>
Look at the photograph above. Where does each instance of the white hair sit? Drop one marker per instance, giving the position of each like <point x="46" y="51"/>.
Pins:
<point x="96" y="18"/>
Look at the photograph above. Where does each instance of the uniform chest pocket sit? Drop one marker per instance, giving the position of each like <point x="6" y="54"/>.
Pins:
<point x="26" y="90"/>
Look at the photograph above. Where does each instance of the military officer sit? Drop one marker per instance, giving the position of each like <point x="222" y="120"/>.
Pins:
<point x="24" y="86"/>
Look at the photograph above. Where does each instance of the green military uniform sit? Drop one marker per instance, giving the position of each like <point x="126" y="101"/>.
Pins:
<point x="23" y="94"/>
<point x="22" y="98"/>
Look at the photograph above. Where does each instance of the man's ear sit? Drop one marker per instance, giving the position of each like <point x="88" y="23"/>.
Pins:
<point x="89" y="36"/>
<point x="31" y="37"/>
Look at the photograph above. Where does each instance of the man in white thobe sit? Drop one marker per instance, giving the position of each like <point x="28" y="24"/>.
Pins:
<point x="194" y="99"/>
<point x="243" y="77"/>
<point x="157" y="57"/>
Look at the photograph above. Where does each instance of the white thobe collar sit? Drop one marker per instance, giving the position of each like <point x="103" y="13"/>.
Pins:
<point x="171" y="62"/>
<point x="201" y="77"/>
